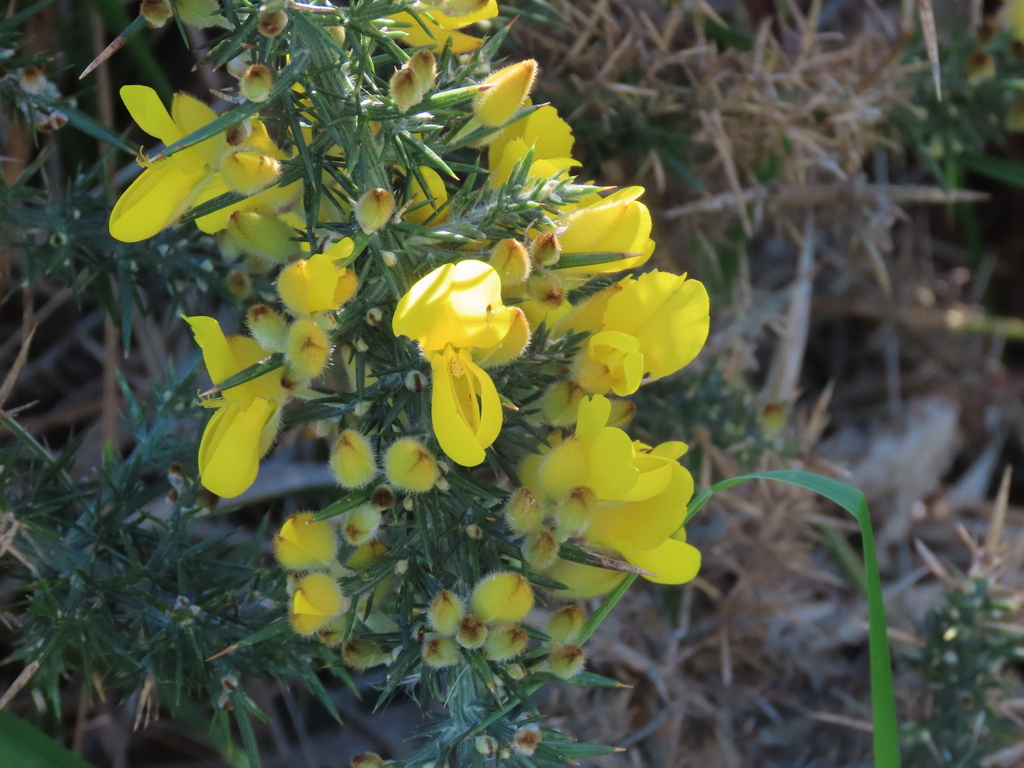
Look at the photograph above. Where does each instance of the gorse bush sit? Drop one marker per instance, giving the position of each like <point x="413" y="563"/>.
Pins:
<point x="423" y="285"/>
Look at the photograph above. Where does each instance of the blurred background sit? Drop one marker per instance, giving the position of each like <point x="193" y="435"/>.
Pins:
<point x="862" y="240"/>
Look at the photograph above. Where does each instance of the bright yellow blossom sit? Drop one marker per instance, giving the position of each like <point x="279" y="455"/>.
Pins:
<point x="545" y="132"/>
<point x="245" y="423"/>
<point x="618" y="224"/>
<point x="316" y="285"/>
<point x="465" y="408"/>
<point x="421" y="207"/>
<point x="440" y="26"/>
<point x="509" y="87"/>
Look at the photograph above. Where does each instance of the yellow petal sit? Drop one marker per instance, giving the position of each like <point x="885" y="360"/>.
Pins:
<point x="672" y="562"/>
<point x="464" y="426"/>
<point x="229" y="449"/>
<point x="644" y="524"/>
<point x="435" y="37"/>
<point x="154" y="201"/>
<point x="616" y="224"/>
<point x="593" y="416"/>
<point x="457" y="304"/>
<point x="610" y="470"/>
<point x="668" y="313"/>
<point x="583" y="581"/>
<point x="427" y="206"/>
<point x="190" y="114"/>
<point x="217" y="354"/>
<point x="149" y="113"/>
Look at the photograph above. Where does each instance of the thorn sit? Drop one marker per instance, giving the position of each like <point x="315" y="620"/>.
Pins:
<point x="618" y="749"/>
<point x="230" y="649"/>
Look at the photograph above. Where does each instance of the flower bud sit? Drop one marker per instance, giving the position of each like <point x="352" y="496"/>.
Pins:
<point x="271" y="23"/>
<point x="574" y="510"/>
<point x="472" y="632"/>
<point x="424" y="65"/>
<point x="566" y="661"/>
<point x="338" y="33"/>
<point x="353" y="460"/>
<point x="410" y="467"/>
<point x="239" y="284"/>
<point x="526" y="740"/>
<point x="622" y="413"/>
<point x="361" y="653"/>
<point x="566" y="624"/>
<point x="304" y="543"/>
<point x="773" y="420"/>
<point x="262" y="234"/>
<point x="374" y="209"/>
<point x="333" y="632"/>
<point x="560" y="404"/>
<point x="541" y="549"/>
<point x="505" y="642"/>
<point x="361" y="524"/>
<point x="510" y="87"/>
<point x="511" y="261"/>
<point x="509" y="348"/>
<point x="156" y="12"/>
<point x="473" y="530"/>
<point x="440" y="652"/>
<point x="980" y="67"/>
<point x="502" y="596"/>
<point x="249" y="173"/>
<point x="390" y="258"/>
<point x="547" y="289"/>
<point x="405" y="89"/>
<point x="267" y="326"/>
<point x="415" y="381"/>
<point x="367" y="760"/>
<point x="374" y="316"/>
<point x="256" y="83"/>
<point x="545" y="250"/>
<point x="366" y="554"/>
<point x="523" y="513"/>
<point x="317" y="599"/>
<point x="486" y="746"/>
<point x="445" y="612"/>
<point x="307" y="348"/>
<point x="383" y="498"/>
<point x="32" y="79"/>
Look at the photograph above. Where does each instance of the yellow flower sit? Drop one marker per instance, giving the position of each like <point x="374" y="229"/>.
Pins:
<point x="454" y="308"/>
<point x="618" y="224"/>
<point x="316" y="601"/>
<point x="502" y="597"/>
<point x="316" y="285"/>
<point x="440" y="26"/>
<point x="465" y="409"/>
<point x="509" y="88"/>
<point x="545" y="132"/>
<point x="305" y="543"/>
<point x="244" y="426"/>
<point x="457" y="304"/>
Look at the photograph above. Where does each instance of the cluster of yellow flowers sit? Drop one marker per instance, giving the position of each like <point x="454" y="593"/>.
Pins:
<point x="473" y="312"/>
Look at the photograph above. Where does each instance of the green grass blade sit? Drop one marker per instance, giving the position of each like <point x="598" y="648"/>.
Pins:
<point x="883" y="700"/>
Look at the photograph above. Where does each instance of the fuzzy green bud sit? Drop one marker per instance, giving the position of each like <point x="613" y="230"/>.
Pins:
<point x="526" y="740"/>
<point x="353" y="460"/>
<point x="256" y="83"/>
<point x="472" y="632"/>
<point x="566" y="661"/>
<point x="486" y="746"/>
<point x="367" y="760"/>
<point x="440" y="652"/>
<point x="445" y="613"/>
<point x="424" y="65"/>
<point x="374" y="209"/>
<point x="262" y="234"/>
<point x="545" y="250"/>
<point x="511" y="261"/>
<point x="560" y="403"/>
<point x="523" y="513"/>
<point x="405" y="89"/>
<point x="505" y="642"/>
<point x="361" y="653"/>
<point x="541" y="549"/>
<point x="156" y="12"/>
<point x="307" y="348"/>
<point x="574" y="510"/>
<point x="503" y="596"/>
<point x="271" y="23"/>
<point x="566" y="624"/>
<point x="361" y="525"/>
<point x="410" y="466"/>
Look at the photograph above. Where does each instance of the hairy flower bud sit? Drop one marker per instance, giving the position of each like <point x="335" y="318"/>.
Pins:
<point x="256" y="83"/>
<point x="424" y="65"/>
<point x="440" y="652"/>
<point x="503" y="596"/>
<point x="366" y="554"/>
<point x="271" y="23"/>
<point x="156" y="12"/>
<point x="353" y="460"/>
<point x="333" y="632"/>
<point x="545" y="250"/>
<point x="405" y="88"/>
<point x="526" y="740"/>
<point x="566" y="624"/>
<point x="317" y="599"/>
<point x="561" y="402"/>
<point x="622" y="413"/>
<point x="486" y="746"/>
<point x="511" y="261"/>
<point x="547" y="289"/>
<point x="267" y="326"/>
<point x="566" y="661"/>
<point x="472" y="632"/>
<point x="523" y="513"/>
<point x="361" y="653"/>
<point x="383" y="497"/>
<point x="361" y="524"/>
<point x="509" y="348"/>
<point x="505" y="642"/>
<point x="239" y="284"/>
<point x="541" y="549"/>
<point x="262" y="234"/>
<point x="574" y="510"/>
<point x="445" y="613"/>
<point x="250" y="172"/>
<point x="410" y="466"/>
<point x="307" y="348"/>
<point x="510" y="86"/>
<point x="374" y="209"/>
<point x="367" y="760"/>
<point x="304" y="543"/>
